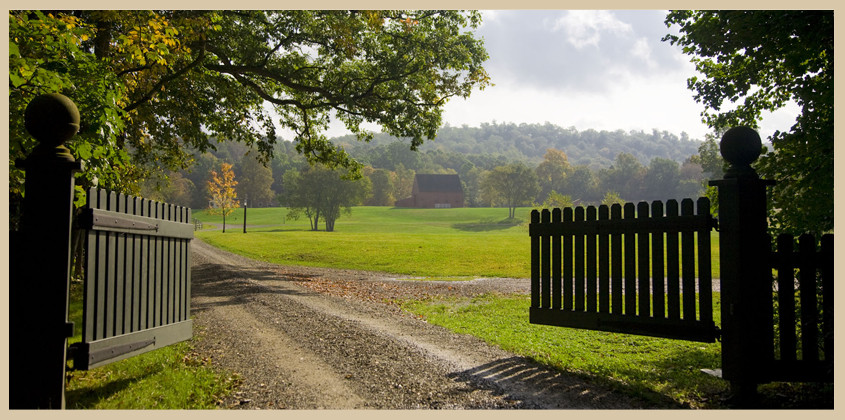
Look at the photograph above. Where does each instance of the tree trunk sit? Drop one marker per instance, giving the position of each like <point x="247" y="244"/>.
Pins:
<point x="102" y="41"/>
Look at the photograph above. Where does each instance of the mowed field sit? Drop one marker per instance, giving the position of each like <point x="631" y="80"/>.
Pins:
<point x="431" y="243"/>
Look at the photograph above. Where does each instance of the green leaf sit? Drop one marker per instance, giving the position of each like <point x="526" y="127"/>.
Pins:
<point x="83" y="151"/>
<point x="13" y="50"/>
<point x="16" y="80"/>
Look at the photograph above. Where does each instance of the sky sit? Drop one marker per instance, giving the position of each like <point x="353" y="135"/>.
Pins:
<point x="588" y="69"/>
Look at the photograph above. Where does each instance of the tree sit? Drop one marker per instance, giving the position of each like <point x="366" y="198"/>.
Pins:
<point x="321" y="192"/>
<point x="552" y="171"/>
<point x="558" y="200"/>
<point x="200" y="173"/>
<point x="224" y="199"/>
<point x="625" y="176"/>
<point x="403" y="182"/>
<point x="661" y="180"/>
<point x="158" y="84"/>
<point x="693" y="182"/>
<point x="513" y="185"/>
<point x="581" y="184"/>
<point x="710" y="158"/>
<point x="382" y="187"/>
<point x="611" y="198"/>
<point x="255" y="182"/>
<point x="759" y="60"/>
<point x="171" y="187"/>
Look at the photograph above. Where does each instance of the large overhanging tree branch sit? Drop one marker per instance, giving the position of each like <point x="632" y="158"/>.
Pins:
<point x="756" y="61"/>
<point x="173" y="82"/>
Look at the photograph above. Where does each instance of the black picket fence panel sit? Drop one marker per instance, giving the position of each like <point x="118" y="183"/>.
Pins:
<point x="137" y="277"/>
<point x="803" y="349"/>
<point x="629" y="269"/>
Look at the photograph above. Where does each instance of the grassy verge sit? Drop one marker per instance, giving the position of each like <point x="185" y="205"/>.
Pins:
<point x="662" y="371"/>
<point x="174" y="377"/>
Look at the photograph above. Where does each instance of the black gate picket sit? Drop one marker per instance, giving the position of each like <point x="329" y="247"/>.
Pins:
<point x="603" y="269"/>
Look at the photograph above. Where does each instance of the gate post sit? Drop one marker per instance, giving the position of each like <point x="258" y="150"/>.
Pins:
<point x="746" y="278"/>
<point x="39" y="291"/>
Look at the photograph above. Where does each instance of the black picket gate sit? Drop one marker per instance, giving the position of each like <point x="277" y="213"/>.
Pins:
<point x="624" y="271"/>
<point x="580" y="257"/>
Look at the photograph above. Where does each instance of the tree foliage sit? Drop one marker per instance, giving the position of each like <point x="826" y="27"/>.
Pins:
<point x="323" y="193"/>
<point x="552" y="171"/>
<point x="221" y="187"/>
<point x="382" y="187"/>
<point x="255" y="182"/>
<point x="757" y="61"/>
<point x="153" y="86"/>
<point x="512" y="185"/>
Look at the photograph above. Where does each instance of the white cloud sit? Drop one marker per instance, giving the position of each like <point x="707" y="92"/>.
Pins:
<point x="642" y="51"/>
<point x="585" y="27"/>
<point x="602" y="70"/>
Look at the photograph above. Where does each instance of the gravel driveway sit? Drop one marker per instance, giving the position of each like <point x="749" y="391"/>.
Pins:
<point x="310" y="338"/>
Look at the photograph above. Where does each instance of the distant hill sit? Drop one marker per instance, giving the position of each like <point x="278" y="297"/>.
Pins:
<point x="528" y="142"/>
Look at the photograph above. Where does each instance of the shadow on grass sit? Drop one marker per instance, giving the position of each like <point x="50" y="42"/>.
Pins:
<point x="570" y="389"/>
<point x="487" y="225"/>
<point x="88" y="397"/>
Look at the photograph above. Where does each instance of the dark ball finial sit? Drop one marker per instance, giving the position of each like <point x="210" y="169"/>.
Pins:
<point x="741" y="146"/>
<point x="52" y="119"/>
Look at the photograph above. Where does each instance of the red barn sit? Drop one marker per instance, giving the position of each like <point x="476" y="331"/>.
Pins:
<point x="434" y="192"/>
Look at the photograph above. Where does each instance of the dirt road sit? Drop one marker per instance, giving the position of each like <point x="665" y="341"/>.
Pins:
<point x="304" y="338"/>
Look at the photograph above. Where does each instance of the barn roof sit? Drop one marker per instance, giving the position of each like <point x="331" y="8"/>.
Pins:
<point x="438" y="183"/>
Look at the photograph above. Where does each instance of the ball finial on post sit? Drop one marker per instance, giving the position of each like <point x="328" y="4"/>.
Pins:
<point x="741" y="146"/>
<point x="52" y="119"/>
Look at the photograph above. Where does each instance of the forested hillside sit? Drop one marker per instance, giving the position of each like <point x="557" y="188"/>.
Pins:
<point x="563" y="166"/>
<point x="529" y="142"/>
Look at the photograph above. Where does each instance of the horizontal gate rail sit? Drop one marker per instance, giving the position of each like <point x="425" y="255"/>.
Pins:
<point x="630" y="269"/>
<point x="137" y="277"/>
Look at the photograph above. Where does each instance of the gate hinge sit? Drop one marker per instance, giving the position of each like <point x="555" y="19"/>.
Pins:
<point x="714" y="223"/>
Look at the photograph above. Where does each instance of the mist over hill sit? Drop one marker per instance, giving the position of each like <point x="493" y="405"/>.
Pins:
<point x="529" y="142"/>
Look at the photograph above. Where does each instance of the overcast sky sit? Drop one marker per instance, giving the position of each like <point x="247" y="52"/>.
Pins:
<point x="605" y="70"/>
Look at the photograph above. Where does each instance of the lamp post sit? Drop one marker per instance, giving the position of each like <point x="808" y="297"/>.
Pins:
<point x="244" y="214"/>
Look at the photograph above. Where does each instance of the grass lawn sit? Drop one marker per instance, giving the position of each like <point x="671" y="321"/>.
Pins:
<point x="663" y="371"/>
<point x="173" y="377"/>
<point x="461" y="242"/>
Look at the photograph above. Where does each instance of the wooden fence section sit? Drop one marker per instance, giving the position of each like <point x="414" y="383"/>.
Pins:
<point x="137" y="277"/>
<point x="625" y="269"/>
<point x="804" y="343"/>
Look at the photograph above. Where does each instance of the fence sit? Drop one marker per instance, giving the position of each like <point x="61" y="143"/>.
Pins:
<point x="580" y="284"/>
<point x="802" y="351"/>
<point x="137" y="278"/>
<point x="580" y="257"/>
